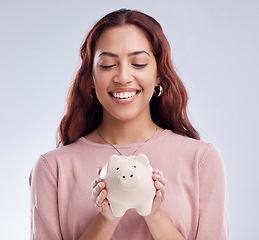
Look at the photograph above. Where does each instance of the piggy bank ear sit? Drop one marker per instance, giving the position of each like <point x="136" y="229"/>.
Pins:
<point x="112" y="162"/>
<point x="142" y="158"/>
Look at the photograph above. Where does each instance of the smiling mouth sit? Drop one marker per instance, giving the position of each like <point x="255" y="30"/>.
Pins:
<point x="124" y="95"/>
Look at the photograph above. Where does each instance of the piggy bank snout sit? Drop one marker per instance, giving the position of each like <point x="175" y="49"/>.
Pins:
<point x="129" y="180"/>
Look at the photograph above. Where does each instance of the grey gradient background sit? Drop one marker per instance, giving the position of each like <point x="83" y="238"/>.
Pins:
<point x="215" y="50"/>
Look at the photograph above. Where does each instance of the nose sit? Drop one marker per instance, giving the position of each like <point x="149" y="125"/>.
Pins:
<point x="124" y="76"/>
<point x="128" y="180"/>
<point x="130" y="175"/>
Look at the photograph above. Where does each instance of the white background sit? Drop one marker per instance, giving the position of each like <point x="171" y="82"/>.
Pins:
<point x="215" y="50"/>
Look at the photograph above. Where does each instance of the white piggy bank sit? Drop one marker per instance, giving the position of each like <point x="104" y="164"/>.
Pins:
<point x="129" y="184"/>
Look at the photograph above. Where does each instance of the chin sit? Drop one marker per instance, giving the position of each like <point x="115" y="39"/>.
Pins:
<point x="127" y="113"/>
<point x="125" y="117"/>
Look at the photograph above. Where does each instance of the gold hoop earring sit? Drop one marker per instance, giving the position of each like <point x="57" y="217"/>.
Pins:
<point x="158" y="91"/>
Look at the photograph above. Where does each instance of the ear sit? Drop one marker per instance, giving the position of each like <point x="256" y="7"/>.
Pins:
<point x="142" y="158"/>
<point x="158" y="81"/>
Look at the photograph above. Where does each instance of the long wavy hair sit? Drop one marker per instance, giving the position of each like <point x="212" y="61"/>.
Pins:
<point x="84" y="111"/>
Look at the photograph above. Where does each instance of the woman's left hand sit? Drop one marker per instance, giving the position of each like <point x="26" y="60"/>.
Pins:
<point x="160" y="185"/>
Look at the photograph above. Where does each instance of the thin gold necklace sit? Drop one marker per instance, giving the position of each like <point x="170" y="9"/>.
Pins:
<point x="141" y="145"/>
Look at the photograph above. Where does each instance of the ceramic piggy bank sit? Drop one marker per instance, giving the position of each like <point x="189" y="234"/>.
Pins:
<point x="129" y="184"/>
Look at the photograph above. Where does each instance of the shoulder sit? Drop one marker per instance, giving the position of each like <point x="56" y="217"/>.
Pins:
<point x="188" y="147"/>
<point x="52" y="159"/>
<point x="181" y="142"/>
<point x="64" y="149"/>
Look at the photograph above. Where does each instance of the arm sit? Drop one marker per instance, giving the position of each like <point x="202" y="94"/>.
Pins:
<point x="104" y="224"/>
<point x="44" y="207"/>
<point x="44" y="210"/>
<point x="213" y="220"/>
<point x="100" y="228"/>
<point x="160" y="226"/>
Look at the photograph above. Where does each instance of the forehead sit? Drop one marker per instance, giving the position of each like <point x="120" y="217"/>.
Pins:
<point x="123" y="39"/>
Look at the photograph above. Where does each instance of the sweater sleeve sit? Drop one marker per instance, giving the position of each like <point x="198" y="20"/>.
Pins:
<point x="44" y="208"/>
<point x="213" y="203"/>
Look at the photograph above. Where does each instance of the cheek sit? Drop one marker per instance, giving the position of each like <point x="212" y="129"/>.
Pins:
<point x="149" y="81"/>
<point x="99" y="89"/>
<point x="101" y="92"/>
<point x="102" y="82"/>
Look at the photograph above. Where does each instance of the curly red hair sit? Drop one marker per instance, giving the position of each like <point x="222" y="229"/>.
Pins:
<point x="84" y="111"/>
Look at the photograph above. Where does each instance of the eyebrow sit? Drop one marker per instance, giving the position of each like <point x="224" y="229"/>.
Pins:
<point x="137" y="53"/>
<point x="129" y="55"/>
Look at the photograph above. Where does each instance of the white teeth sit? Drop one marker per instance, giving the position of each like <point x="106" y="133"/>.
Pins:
<point x="124" y="94"/>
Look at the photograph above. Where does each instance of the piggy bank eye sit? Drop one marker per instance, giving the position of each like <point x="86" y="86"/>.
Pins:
<point x="135" y="166"/>
<point x="117" y="168"/>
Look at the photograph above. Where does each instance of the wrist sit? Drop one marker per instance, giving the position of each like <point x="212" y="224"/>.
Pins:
<point x="153" y="216"/>
<point x="105" y="221"/>
<point x="100" y="228"/>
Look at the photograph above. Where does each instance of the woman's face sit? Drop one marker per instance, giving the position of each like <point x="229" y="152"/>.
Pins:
<point x="124" y="72"/>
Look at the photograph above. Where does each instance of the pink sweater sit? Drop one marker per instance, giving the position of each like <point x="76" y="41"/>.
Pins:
<point x="196" y="200"/>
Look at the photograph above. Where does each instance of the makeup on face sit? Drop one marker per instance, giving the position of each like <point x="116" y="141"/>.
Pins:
<point x="109" y="60"/>
<point x="125" y="72"/>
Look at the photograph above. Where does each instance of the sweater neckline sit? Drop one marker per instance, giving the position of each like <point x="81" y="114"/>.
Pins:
<point x="129" y="145"/>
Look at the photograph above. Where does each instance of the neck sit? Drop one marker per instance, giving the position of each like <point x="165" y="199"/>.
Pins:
<point x="124" y="132"/>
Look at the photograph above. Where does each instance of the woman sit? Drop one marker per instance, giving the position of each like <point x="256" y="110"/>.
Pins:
<point x="127" y="99"/>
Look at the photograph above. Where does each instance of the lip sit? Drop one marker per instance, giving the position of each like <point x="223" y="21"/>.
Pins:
<point x="122" y="90"/>
<point x="124" y="101"/>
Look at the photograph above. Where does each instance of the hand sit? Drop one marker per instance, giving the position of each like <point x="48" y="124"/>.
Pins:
<point x="160" y="185"/>
<point x="99" y="197"/>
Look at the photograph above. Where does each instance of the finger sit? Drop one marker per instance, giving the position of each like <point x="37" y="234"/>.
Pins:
<point x="101" y="197"/>
<point x="99" y="169"/>
<point x="106" y="210"/>
<point x="95" y="182"/>
<point x="156" y="171"/>
<point x="159" y="186"/>
<point x="106" y="207"/>
<point x="99" y="208"/>
<point x="158" y="199"/>
<point x="96" y="191"/>
<point x="161" y="179"/>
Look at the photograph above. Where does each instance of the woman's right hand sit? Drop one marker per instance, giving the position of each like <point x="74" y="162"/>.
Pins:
<point x="99" y="198"/>
<point x="104" y="224"/>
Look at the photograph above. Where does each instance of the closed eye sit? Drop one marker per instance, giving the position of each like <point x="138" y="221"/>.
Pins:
<point x="107" y="66"/>
<point x="139" y="65"/>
